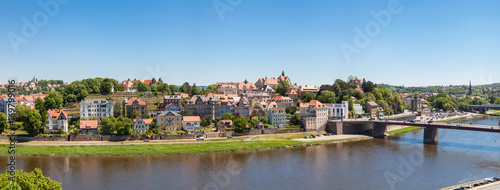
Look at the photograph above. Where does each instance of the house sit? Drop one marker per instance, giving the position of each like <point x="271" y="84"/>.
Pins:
<point x="6" y="103"/>
<point x="169" y="120"/>
<point x="277" y="117"/>
<point x="133" y="104"/>
<point x="284" y="78"/>
<point x="271" y="82"/>
<point x="191" y="124"/>
<point x="291" y="93"/>
<point x="96" y="107"/>
<point x="258" y="98"/>
<point x="314" y="115"/>
<point x="172" y="107"/>
<point x="129" y="85"/>
<point x="267" y="89"/>
<point x="358" y="109"/>
<point x="242" y="107"/>
<point x="245" y="87"/>
<point x="183" y="95"/>
<point x="88" y="126"/>
<point x="173" y="99"/>
<point x="425" y="109"/>
<point x="416" y="105"/>
<point x="338" y="111"/>
<point x="311" y="89"/>
<point x="204" y="106"/>
<point x="227" y="89"/>
<point x="56" y="119"/>
<point x="141" y="125"/>
<point x="359" y="90"/>
<point x="282" y="101"/>
<point x="224" y="125"/>
<point x="372" y="107"/>
<point x="356" y="82"/>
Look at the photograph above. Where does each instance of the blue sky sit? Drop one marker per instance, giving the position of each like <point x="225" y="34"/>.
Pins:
<point x="425" y="43"/>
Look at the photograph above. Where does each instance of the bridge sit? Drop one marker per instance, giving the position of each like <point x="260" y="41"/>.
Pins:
<point x="484" y="107"/>
<point x="378" y="128"/>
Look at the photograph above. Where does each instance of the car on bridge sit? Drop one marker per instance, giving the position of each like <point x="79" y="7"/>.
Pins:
<point x="430" y="121"/>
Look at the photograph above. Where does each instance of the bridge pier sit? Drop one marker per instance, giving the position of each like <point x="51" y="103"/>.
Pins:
<point x="431" y="135"/>
<point x="379" y="130"/>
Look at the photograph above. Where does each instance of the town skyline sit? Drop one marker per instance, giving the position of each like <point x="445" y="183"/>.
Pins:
<point x="390" y="42"/>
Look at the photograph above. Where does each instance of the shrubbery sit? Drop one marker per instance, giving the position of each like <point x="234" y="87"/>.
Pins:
<point x="27" y="180"/>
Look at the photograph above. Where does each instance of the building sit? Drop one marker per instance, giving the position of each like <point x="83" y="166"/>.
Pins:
<point x="311" y="89"/>
<point x="5" y="104"/>
<point x="314" y="115"/>
<point x="172" y="107"/>
<point x="284" y="78"/>
<point x="258" y="98"/>
<point x="338" y="111"/>
<point x="266" y="81"/>
<point x="56" y="119"/>
<point x="282" y="101"/>
<point x="242" y="108"/>
<point x="133" y="104"/>
<point x="173" y="99"/>
<point x="277" y="117"/>
<point x="356" y="82"/>
<point x="224" y="125"/>
<point x="169" y="120"/>
<point x="141" y="125"/>
<point x="129" y="85"/>
<point x="203" y="106"/>
<point x="245" y="87"/>
<point x="372" y="107"/>
<point x="425" y="109"/>
<point x="191" y="124"/>
<point x="291" y="93"/>
<point x="358" y="109"/>
<point x="227" y="89"/>
<point x="96" y="107"/>
<point x="88" y="127"/>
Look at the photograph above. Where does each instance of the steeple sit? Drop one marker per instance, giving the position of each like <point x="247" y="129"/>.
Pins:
<point x="470" y="87"/>
<point x="282" y="72"/>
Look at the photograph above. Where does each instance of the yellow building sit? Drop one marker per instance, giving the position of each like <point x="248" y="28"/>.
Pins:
<point x="169" y="120"/>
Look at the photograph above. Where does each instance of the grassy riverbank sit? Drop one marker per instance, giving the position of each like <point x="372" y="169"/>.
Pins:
<point x="404" y="130"/>
<point x="160" y="149"/>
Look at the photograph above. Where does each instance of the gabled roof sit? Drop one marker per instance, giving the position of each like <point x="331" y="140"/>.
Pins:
<point x="312" y="104"/>
<point x="191" y="119"/>
<point x="308" y="88"/>
<point x="359" y="90"/>
<point x="247" y="85"/>
<point x="291" y="91"/>
<point x="171" y="113"/>
<point x="132" y="100"/>
<point x="55" y="113"/>
<point x="88" y="124"/>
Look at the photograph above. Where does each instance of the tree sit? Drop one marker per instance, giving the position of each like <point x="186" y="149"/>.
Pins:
<point x="174" y="88"/>
<point x="117" y="108"/>
<point x="120" y="87"/>
<point x="124" y="127"/>
<point x="295" y="119"/>
<point x="28" y="180"/>
<point x="327" y="97"/>
<point x="368" y="86"/>
<point x="3" y="122"/>
<point x="211" y="89"/>
<point x="108" y="125"/>
<point x="71" y="98"/>
<point x="256" y="106"/>
<point x="254" y="120"/>
<point x="106" y="86"/>
<point x="205" y="122"/>
<point x="32" y="122"/>
<point x="282" y="88"/>
<point x="240" y="124"/>
<point x="54" y="100"/>
<point x="186" y="88"/>
<point x="194" y="90"/>
<point x="39" y="105"/>
<point x="227" y="116"/>
<point x="135" y="114"/>
<point x="291" y="110"/>
<point x="308" y="97"/>
<point x="82" y="95"/>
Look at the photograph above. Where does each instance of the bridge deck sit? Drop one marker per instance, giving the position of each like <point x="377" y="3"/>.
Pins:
<point x="459" y="126"/>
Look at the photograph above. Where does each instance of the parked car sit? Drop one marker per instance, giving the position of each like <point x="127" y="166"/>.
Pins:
<point x="229" y="137"/>
<point x="448" y="123"/>
<point x="430" y="121"/>
<point x="200" y="138"/>
<point x="146" y="140"/>
<point x="318" y="135"/>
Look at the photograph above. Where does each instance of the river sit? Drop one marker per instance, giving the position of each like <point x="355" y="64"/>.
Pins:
<point x="401" y="160"/>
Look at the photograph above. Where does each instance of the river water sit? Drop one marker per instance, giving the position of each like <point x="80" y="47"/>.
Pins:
<point x="403" y="161"/>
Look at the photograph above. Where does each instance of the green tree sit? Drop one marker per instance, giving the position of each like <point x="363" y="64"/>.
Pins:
<point x="291" y="110"/>
<point x="32" y="122"/>
<point x="227" y="116"/>
<point x="186" y="88"/>
<point x="117" y="108"/>
<point x="106" y="86"/>
<point x="282" y="88"/>
<point x="174" y="88"/>
<point x="211" y="89"/>
<point x="368" y="86"/>
<point x="256" y="106"/>
<point x="194" y="90"/>
<point x="71" y="98"/>
<point x="39" y="105"/>
<point x="254" y="120"/>
<point x="28" y="180"/>
<point x="327" y="97"/>
<point x="295" y="119"/>
<point x="54" y="100"/>
<point x="307" y="97"/>
<point x="240" y="124"/>
<point x="108" y="125"/>
<point x="135" y="114"/>
<point x="3" y="122"/>
<point x="82" y="95"/>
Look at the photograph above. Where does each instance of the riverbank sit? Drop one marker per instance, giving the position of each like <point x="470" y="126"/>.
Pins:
<point x="163" y="149"/>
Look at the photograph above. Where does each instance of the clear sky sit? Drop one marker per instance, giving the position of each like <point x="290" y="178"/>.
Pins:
<point x="424" y="43"/>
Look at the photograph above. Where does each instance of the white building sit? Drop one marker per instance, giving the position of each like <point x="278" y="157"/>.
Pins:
<point x="314" y="115"/>
<point x="338" y="111"/>
<point x="95" y="107"/>
<point x="358" y="109"/>
<point x="56" y="119"/>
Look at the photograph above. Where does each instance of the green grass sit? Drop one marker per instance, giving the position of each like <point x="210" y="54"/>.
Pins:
<point x="449" y="120"/>
<point x="495" y="114"/>
<point x="405" y="130"/>
<point x="160" y="149"/>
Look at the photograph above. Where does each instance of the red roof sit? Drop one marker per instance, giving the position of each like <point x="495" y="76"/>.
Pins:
<point x="88" y="124"/>
<point x="55" y="113"/>
<point x="359" y="90"/>
<point x="312" y="104"/>
<point x="191" y="118"/>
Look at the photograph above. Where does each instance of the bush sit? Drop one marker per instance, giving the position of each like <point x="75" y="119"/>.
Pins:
<point x="28" y="180"/>
<point x="292" y="127"/>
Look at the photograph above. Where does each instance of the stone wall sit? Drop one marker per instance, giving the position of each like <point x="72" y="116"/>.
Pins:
<point x="25" y="139"/>
<point x="290" y="130"/>
<point x="84" y="137"/>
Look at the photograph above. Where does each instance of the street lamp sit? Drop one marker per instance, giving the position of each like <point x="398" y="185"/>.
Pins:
<point x="393" y="181"/>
